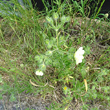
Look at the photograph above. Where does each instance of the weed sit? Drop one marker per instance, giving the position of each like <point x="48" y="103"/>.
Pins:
<point x="55" y="53"/>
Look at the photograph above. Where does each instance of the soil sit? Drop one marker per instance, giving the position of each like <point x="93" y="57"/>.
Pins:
<point x="32" y="102"/>
<point x="23" y="102"/>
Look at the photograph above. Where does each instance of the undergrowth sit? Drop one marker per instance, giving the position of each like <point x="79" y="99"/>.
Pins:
<point x="60" y="52"/>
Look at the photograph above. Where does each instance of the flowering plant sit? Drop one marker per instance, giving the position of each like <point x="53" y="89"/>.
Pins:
<point x="61" y="56"/>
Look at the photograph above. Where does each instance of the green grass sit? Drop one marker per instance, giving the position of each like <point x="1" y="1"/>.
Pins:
<point x="47" y="41"/>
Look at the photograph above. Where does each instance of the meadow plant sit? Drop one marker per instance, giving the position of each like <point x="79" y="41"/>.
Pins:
<point x="61" y="47"/>
<point x="69" y="68"/>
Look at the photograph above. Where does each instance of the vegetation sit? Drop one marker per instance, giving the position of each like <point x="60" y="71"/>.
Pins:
<point x="39" y="54"/>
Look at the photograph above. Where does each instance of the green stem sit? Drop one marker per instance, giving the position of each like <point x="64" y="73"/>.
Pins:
<point x="99" y="8"/>
<point x="56" y="33"/>
<point x="57" y="37"/>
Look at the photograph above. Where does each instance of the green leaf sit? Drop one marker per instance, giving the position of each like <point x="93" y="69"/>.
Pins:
<point x="49" y="43"/>
<point x="1" y="97"/>
<point x="1" y="78"/>
<point x="104" y="72"/>
<point x="83" y="72"/>
<point x="1" y="87"/>
<point x="87" y="50"/>
<point x="49" y="20"/>
<point x="55" y="16"/>
<point x="67" y="18"/>
<point x="49" y="53"/>
<point x="70" y="56"/>
<point x="63" y="19"/>
<point x="48" y="62"/>
<point x="94" y="96"/>
<point x="108" y="98"/>
<point x="72" y="50"/>
<point x="39" y="58"/>
<point x="42" y="67"/>
<point x="12" y="97"/>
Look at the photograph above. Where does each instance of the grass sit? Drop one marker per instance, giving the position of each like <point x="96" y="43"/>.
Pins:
<point x="46" y="41"/>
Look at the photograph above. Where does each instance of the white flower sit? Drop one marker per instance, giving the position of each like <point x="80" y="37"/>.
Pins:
<point x="79" y="55"/>
<point x="39" y="73"/>
<point x="106" y="15"/>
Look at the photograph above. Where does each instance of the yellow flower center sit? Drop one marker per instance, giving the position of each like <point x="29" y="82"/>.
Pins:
<point x="65" y="88"/>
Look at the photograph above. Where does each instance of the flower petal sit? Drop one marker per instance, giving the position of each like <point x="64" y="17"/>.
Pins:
<point x="39" y="73"/>
<point x="79" y="55"/>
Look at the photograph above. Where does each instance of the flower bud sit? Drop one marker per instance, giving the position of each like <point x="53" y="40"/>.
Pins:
<point x="106" y="15"/>
<point x="55" y="16"/>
